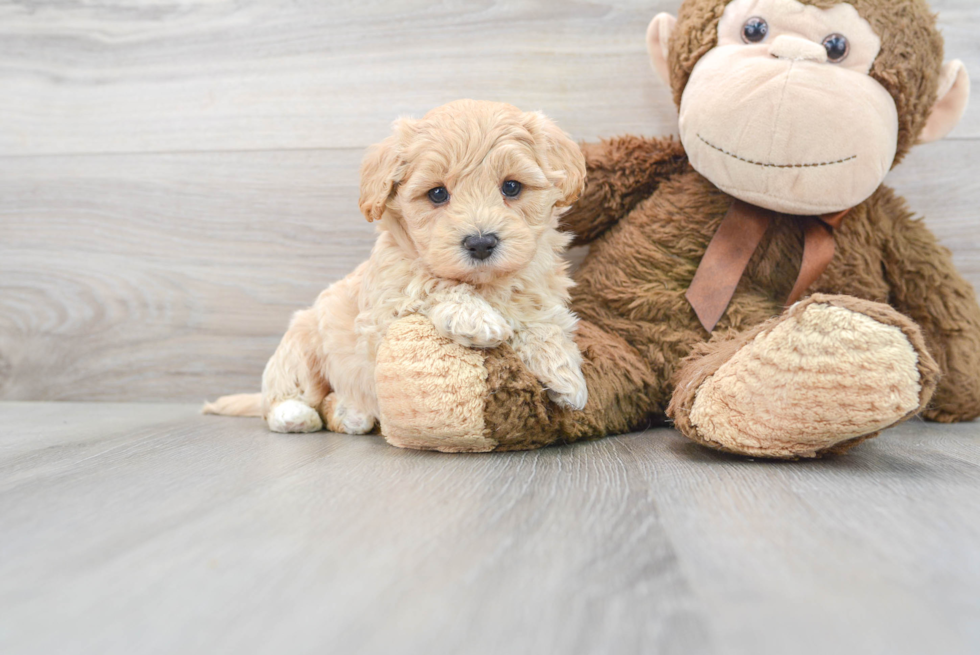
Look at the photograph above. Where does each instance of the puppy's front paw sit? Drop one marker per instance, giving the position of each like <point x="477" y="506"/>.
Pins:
<point x="562" y="376"/>
<point x="473" y="326"/>
<point x="566" y="387"/>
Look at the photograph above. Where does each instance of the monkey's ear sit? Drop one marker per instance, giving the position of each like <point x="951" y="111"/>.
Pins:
<point x="658" y="42"/>
<point x="559" y="157"/>
<point x="382" y="170"/>
<point x="954" y="95"/>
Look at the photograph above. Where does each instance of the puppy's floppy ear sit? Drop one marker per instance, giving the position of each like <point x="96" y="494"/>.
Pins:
<point x="559" y="157"/>
<point x="382" y="170"/>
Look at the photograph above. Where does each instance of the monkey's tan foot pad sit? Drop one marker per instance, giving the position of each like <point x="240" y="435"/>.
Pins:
<point x="829" y="372"/>
<point x="432" y="392"/>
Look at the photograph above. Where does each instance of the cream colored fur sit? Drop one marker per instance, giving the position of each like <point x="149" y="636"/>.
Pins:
<point x="326" y="360"/>
<point x="823" y="377"/>
<point x="245" y="404"/>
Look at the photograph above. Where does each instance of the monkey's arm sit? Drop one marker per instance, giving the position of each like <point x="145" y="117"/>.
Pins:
<point x="926" y="287"/>
<point x="621" y="173"/>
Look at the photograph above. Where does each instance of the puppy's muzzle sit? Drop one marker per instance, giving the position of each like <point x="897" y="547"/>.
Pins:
<point x="481" y="246"/>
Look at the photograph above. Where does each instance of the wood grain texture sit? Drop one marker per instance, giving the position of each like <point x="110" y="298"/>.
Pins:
<point x="172" y="277"/>
<point x="147" y="528"/>
<point x="165" y="276"/>
<point x="245" y="75"/>
<point x="178" y="177"/>
<point x="198" y="75"/>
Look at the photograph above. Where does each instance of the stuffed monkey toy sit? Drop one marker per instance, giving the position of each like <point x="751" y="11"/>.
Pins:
<point x="754" y="283"/>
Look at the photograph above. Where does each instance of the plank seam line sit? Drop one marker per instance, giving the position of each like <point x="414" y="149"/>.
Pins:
<point x="230" y="151"/>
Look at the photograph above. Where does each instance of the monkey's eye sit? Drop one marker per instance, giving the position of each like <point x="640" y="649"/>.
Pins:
<point x="755" y="30"/>
<point x="837" y="48"/>
<point x="511" y="188"/>
<point x="439" y="195"/>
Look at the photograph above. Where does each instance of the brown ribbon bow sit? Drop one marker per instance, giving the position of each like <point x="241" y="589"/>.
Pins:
<point x="732" y="247"/>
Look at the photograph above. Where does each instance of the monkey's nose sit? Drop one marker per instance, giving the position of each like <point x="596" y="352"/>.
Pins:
<point x="796" y="49"/>
<point x="481" y="246"/>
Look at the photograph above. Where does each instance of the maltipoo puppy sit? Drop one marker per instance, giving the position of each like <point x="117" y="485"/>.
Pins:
<point x="467" y="200"/>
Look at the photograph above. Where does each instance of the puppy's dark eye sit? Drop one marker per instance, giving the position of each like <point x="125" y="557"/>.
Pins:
<point x="755" y="30"/>
<point x="439" y="195"/>
<point x="837" y="48"/>
<point x="511" y="188"/>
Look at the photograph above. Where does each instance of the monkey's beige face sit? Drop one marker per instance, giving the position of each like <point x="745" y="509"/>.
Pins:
<point x="783" y="113"/>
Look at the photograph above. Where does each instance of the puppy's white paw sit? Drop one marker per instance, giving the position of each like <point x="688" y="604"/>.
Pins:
<point x="292" y="416"/>
<point x="555" y="360"/>
<point x="345" y="419"/>
<point x="473" y="326"/>
<point x="566" y="387"/>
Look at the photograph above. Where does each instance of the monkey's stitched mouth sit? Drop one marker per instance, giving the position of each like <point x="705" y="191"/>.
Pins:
<point x="770" y="165"/>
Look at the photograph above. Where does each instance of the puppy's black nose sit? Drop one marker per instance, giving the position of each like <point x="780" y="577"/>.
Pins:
<point x="481" y="246"/>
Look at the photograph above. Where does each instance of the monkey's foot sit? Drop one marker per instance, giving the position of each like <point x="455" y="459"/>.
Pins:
<point x="431" y="390"/>
<point x="827" y="374"/>
<point x="434" y="394"/>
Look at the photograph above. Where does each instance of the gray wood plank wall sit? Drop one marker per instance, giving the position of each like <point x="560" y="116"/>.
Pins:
<point x="177" y="177"/>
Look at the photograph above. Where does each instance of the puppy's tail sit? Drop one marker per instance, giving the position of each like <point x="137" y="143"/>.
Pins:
<point x="245" y="404"/>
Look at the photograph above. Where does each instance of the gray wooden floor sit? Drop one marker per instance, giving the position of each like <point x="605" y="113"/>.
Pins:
<point x="151" y="529"/>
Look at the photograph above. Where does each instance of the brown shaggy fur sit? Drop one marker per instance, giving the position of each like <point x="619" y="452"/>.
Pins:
<point x="649" y="217"/>
<point x="638" y="329"/>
